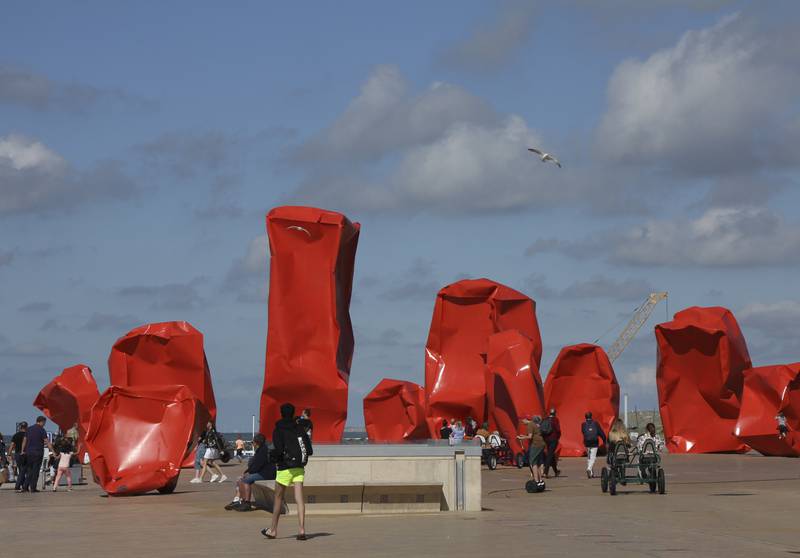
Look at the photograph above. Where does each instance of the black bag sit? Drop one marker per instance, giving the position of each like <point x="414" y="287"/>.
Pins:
<point x="533" y="487"/>
<point x="297" y="449"/>
<point x="546" y="427"/>
<point x="590" y="433"/>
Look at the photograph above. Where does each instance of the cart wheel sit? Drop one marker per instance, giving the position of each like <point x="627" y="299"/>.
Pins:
<point x="662" y="482"/>
<point x="604" y="480"/>
<point x="491" y="462"/>
<point x="519" y="460"/>
<point x="169" y="488"/>
<point x="652" y="473"/>
<point x="612" y="483"/>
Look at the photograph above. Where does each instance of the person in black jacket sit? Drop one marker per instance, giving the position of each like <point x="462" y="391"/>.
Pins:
<point x="592" y="434"/>
<point x="291" y="452"/>
<point x="258" y="468"/>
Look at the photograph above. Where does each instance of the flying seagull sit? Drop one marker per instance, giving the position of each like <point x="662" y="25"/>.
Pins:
<point x="545" y="156"/>
<point x="296" y="228"/>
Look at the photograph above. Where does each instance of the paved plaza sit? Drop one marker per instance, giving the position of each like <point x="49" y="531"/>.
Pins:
<point x="716" y="505"/>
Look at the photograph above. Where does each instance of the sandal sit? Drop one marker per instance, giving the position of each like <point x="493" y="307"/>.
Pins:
<point x="267" y="534"/>
<point x="301" y="537"/>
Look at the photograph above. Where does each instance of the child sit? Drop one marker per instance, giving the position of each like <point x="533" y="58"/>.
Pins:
<point x="782" y="428"/>
<point x="65" y="452"/>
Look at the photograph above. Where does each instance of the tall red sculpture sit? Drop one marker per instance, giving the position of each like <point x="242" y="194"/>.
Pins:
<point x="68" y="399"/>
<point x="701" y="357"/>
<point x="466" y="313"/>
<point x="581" y="379"/>
<point x="167" y="353"/>
<point x="769" y="390"/>
<point x="513" y="384"/>
<point x="139" y="436"/>
<point x="309" y="335"/>
<point x="394" y="411"/>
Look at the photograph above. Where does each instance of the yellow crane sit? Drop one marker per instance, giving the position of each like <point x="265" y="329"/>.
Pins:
<point x="640" y="316"/>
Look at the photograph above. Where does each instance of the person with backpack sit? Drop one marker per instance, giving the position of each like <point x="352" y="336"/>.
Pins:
<point x="592" y="434"/>
<point x="551" y="431"/>
<point x="214" y="444"/>
<point x="292" y="448"/>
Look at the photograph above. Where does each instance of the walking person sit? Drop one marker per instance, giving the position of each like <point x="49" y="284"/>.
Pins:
<point x="65" y="452"/>
<point x="214" y="446"/>
<point x="33" y="447"/>
<point x="15" y="450"/>
<point x="199" y="461"/>
<point x="535" y="447"/>
<point x="551" y="431"/>
<point x="291" y="452"/>
<point x="783" y="429"/>
<point x="592" y="434"/>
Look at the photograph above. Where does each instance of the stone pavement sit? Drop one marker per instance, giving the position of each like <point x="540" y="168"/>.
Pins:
<point x="716" y="505"/>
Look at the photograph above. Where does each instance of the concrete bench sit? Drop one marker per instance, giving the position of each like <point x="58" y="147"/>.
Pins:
<point x="355" y="498"/>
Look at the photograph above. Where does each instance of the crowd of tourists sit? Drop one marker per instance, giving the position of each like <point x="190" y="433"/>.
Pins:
<point x="23" y="461"/>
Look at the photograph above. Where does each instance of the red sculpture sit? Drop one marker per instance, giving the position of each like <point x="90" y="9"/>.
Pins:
<point x="394" y="411"/>
<point x="139" y="436"/>
<point x="513" y="384"/>
<point x="465" y="315"/>
<point x="167" y="353"/>
<point x="769" y="390"/>
<point x="701" y="357"/>
<point x="309" y="334"/>
<point x="68" y="399"/>
<point x="581" y="379"/>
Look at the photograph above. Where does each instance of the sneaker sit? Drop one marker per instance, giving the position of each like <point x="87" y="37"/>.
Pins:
<point x="223" y="478"/>
<point x="233" y="505"/>
<point x="196" y="480"/>
<point x="214" y="477"/>
<point x="588" y="474"/>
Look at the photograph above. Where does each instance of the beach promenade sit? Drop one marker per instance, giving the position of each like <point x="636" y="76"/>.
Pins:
<point x="716" y="505"/>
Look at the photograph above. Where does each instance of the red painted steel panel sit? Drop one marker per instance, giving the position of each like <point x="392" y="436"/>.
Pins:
<point x="394" y="411"/>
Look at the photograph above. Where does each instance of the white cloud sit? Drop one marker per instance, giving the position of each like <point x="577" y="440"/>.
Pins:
<point x="643" y="378"/>
<point x="386" y="117"/>
<point x="720" y="101"/>
<point x="21" y="153"/>
<point x="34" y="178"/>
<point x="719" y="237"/>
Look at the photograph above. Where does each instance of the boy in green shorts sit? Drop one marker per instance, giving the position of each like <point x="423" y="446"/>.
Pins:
<point x="292" y="448"/>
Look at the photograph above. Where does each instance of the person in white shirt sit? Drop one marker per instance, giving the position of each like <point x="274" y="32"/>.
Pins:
<point x="650" y="434"/>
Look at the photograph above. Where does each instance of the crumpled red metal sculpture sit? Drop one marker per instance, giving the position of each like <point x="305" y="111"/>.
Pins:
<point x="309" y="334"/>
<point x="167" y="353"/>
<point x="394" y="411"/>
<point x="769" y="390"/>
<point x="701" y="357"/>
<point x="581" y="379"/>
<point x="466" y="313"/>
<point x="513" y="384"/>
<point x="68" y="399"/>
<point x="139" y="436"/>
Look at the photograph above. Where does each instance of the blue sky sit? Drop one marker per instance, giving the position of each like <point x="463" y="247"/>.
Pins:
<point x="141" y="146"/>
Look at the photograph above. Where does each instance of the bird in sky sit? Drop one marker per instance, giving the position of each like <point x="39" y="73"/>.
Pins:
<point x="545" y="156"/>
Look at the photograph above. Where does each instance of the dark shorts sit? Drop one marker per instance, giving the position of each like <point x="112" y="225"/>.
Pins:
<point x="783" y="429"/>
<point x="535" y="456"/>
<point x="252" y="477"/>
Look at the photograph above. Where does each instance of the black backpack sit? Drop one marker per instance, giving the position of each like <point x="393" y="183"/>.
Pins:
<point x="297" y="448"/>
<point x="590" y="432"/>
<point x="546" y="427"/>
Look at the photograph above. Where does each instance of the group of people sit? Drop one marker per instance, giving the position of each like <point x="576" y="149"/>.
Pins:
<point x="284" y="463"/>
<point x="25" y="455"/>
<point x="618" y="434"/>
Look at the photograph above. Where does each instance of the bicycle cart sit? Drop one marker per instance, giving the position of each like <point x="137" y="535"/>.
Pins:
<point x="634" y="466"/>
